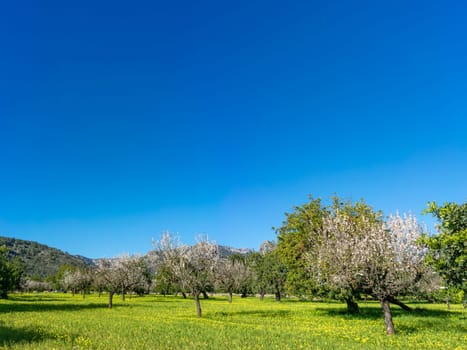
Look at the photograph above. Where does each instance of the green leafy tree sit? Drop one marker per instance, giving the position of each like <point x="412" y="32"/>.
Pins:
<point x="165" y="281"/>
<point x="297" y="236"/>
<point x="11" y="272"/>
<point x="270" y="273"/>
<point x="448" y="248"/>
<point x="57" y="279"/>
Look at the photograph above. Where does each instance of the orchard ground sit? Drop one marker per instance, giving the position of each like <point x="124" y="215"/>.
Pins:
<point x="63" y="321"/>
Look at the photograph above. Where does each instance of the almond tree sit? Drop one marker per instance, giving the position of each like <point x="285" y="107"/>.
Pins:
<point x="30" y="285"/>
<point x="233" y="273"/>
<point x="110" y="277"/>
<point x="381" y="259"/>
<point x="394" y="262"/>
<point x="166" y="255"/>
<point x="194" y="266"/>
<point x="77" y="280"/>
<point x="121" y="275"/>
<point x="136" y="275"/>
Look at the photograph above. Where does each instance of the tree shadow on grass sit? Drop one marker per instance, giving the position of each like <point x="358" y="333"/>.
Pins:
<point x="12" y="336"/>
<point x="440" y="320"/>
<point x="416" y="326"/>
<point x="18" y="306"/>
<point x="34" y="297"/>
<point x="374" y="312"/>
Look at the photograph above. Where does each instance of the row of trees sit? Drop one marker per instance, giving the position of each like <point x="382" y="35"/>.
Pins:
<point x="172" y="267"/>
<point x="342" y="250"/>
<point x="199" y="269"/>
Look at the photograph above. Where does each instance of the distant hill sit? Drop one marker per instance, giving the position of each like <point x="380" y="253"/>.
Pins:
<point x="41" y="261"/>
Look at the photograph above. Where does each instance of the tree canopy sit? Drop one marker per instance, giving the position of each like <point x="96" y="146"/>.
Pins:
<point x="448" y="248"/>
<point x="11" y="272"/>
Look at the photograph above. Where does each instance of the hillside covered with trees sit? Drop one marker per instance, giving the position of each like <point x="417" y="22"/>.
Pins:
<point x="41" y="261"/>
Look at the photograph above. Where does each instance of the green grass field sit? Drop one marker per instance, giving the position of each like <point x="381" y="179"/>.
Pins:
<point x="60" y="321"/>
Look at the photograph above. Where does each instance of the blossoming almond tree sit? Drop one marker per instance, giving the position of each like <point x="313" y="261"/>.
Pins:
<point x="194" y="266"/>
<point x="122" y="274"/>
<point x="381" y="259"/>
<point x="392" y="262"/>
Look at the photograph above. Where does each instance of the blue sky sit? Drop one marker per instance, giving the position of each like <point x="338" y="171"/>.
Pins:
<point x="121" y="120"/>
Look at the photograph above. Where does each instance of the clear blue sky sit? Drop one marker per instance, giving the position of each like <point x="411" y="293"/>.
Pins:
<point x="119" y="120"/>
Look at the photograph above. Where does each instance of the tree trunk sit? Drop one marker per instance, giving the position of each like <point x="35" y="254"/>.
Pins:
<point x="198" y="304"/>
<point x="111" y="295"/>
<point x="230" y="296"/>
<point x="184" y="295"/>
<point x="205" y="295"/>
<point x="352" y="306"/>
<point x="123" y="294"/>
<point x="399" y="303"/>
<point x="448" y="303"/>
<point x="387" y="317"/>
<point x="278" y="296"/>
<point x="261" y="296"/>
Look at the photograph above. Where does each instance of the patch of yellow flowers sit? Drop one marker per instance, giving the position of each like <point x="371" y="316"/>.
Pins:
<point x="59" y="321"/>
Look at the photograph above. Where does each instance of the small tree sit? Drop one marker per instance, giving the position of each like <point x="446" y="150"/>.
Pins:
<point x="165" y="281"/>
<point x="448" y="249"/>
<point x="194" y="266"/>
<point x="11" y="272"/>
<point x="134" y="274"/>
<point x="270" y="274"/>
<point x="166" y="256"/>
<point x="30" y="285"/>
<point x="121" y="274"/>
<point x="256" y="263"/>
<point x="232" y="274"/>
<point x="77" y="280"/>
<point x="109" y="275"/>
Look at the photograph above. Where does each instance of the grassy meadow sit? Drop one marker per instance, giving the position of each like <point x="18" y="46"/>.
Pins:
<point x="61" y="321"/>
